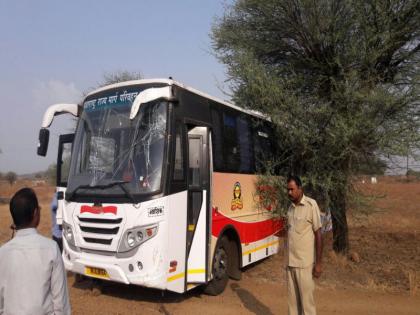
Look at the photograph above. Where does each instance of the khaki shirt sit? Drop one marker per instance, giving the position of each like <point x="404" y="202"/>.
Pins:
<point x="303" y="220"/>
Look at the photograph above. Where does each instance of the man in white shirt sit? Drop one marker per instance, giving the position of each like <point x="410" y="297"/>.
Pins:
<point x="32" y="275"/>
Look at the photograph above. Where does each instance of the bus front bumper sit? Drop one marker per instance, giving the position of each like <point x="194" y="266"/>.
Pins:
<point x="111" y="268"/>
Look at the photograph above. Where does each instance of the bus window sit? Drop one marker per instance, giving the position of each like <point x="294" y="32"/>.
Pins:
<point x="246" y="150"/>
<point x="230" y="145"/>
<point x="102" y="154"/>
<point x="179" y="155"/>
<point x="194" y="149"/>
<point x="263" y="148"/>
<point x="217" y="141"/>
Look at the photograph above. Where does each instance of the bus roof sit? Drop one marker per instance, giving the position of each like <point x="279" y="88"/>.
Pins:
<point x="171" y="82"/>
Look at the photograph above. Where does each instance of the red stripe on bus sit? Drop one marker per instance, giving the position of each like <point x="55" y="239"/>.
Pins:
<point x="249" y="232"/>
<point x="98" y="210"/>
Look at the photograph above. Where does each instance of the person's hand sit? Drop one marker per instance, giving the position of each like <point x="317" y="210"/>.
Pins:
<point x="316" y="272"/>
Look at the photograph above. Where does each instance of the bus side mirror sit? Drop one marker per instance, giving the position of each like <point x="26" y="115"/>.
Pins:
<point x="44" y="137"/>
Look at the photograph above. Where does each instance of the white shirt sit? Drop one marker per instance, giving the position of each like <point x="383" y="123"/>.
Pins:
<point x="32" y="276"/>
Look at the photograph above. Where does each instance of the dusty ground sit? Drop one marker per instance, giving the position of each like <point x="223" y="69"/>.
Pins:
<point x="385" y="281"/>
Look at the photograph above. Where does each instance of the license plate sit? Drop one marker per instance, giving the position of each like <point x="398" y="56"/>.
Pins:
<point x="96" y="272"/>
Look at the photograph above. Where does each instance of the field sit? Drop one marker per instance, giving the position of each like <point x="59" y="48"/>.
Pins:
<point x="382" y="276"/>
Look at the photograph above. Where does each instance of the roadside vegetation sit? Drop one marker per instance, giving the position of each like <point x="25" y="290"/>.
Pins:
<point x="340" y="81"/>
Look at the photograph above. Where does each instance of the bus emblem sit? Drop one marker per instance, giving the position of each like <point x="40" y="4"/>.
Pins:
<point x="237" y="203"/>
<point x="155" y="211"/>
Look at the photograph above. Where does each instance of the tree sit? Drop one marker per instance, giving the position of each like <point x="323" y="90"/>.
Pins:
<point x="115" y="77"/>
<point x="51" y="174"/>
<point x="111" y="78"/>
<point x="338" y="78"/>
<point x="10" y="177"/>
<point x="120" y="76"/>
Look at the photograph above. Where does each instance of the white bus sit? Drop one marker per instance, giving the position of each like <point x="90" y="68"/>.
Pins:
<point x="161" y="188"/>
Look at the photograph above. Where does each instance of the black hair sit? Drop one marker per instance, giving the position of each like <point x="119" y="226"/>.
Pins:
<point x="22" y="207"/>
<point x="296" y="179"/>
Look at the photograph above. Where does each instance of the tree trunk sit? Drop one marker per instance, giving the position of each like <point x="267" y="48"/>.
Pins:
<point x="339" y="221"/>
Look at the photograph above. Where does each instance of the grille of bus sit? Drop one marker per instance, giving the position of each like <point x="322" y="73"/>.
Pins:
<point x="99" y="230"/>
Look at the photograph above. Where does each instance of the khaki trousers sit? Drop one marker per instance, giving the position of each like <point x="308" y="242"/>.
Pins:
<point x="300" y="286"/>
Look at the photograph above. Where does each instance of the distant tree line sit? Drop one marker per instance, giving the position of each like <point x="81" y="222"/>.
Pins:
<point x="10" y="177"/>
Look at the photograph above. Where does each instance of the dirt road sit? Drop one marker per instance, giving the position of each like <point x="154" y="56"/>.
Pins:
<point x="385" y="281"/>
<point x="261" y="291"/>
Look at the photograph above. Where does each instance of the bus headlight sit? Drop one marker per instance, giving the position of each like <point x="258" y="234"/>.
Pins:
<point x="131" y="241"/>
<point x="68" y="234"/>
<point x="136" y="236"/>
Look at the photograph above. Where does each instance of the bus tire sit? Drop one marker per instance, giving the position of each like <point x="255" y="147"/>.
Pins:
<point x="220" y="268"/>
<point x="234" y="270"/>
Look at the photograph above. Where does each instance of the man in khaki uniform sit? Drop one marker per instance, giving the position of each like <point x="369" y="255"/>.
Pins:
<point x="304" y="249"/>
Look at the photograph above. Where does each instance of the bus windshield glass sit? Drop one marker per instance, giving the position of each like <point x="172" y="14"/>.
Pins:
<point x="114" y="155"/>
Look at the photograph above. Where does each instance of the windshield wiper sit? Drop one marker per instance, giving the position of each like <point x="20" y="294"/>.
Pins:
<point x="119" y="183"/>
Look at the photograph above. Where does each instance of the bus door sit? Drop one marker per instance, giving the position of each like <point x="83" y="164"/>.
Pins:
<point x="65" y="144"/>
<point x="198" y="204"/>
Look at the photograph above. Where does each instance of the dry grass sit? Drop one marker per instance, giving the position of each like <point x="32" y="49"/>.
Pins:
<point x="385" y="247"/>
<point x="338" y="260"/>
<point x="387" y="244"/>
<point x="44" y="193"/>
<point x="412" y="280"/>
<point x="373" y="286"/>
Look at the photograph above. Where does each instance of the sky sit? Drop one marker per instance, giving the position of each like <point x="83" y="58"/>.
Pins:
<point x="54" y="51"/>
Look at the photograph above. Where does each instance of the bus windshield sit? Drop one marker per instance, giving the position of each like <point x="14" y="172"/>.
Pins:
<point x="116" y="156"/>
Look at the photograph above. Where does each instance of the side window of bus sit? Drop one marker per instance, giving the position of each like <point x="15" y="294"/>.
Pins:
<point x="231" y="152"/>
<point x="217" y="138"/>
<point x="246" y="150"/>
<point x="263" y="147"/>
<point x="65" y="167"/>
<point x="179" y="155"/>
<point x="195" y="158"/>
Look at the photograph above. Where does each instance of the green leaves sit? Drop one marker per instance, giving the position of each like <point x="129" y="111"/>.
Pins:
<point x="338" y="78"/>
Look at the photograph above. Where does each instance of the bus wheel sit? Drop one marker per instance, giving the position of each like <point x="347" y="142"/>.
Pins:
<point x="220" y="268"/>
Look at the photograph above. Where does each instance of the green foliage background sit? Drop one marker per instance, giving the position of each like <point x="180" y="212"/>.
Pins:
<point x="338" y="78"/>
